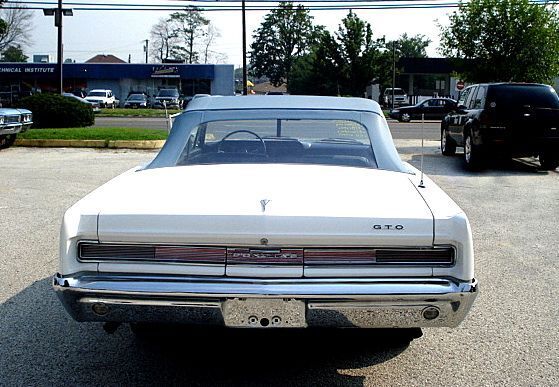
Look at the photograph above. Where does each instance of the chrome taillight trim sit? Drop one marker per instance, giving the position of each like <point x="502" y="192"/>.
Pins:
<point x="339" y="256"/>
<point x="437" y="256"/>
<point x="89" y="251"/>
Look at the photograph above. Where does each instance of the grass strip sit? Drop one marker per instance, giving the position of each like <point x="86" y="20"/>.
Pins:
<point x="120" y="112"/>
<point x="131" y="134"/>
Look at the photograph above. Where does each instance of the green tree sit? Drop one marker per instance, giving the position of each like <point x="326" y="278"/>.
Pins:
<point x="187" y="27"/>
<point x="359" y="53"/>
<point x="410" y="46"/>
<point x="13" y="54"/>
<point x="287" y="33"/>
<point x="504" y="40"/>
<point x="317" y="73"/>
<point x="343" y="64"/>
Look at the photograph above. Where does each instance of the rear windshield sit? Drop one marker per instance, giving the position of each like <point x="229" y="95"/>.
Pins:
<point x="330" y="142"/>
<point x="518" y="96"/>
<point x="168" y="93"/>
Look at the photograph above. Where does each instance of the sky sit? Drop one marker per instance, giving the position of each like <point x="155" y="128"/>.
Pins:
<point x="122" y="33"/>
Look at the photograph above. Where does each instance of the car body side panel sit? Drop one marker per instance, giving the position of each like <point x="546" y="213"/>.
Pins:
<point x="451" y="227"/>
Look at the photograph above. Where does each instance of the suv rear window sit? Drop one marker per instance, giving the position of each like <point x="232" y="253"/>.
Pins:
<point x="518" y="96"/>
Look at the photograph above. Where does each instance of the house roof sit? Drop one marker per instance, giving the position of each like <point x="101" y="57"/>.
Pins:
<point x="102" y="58"/>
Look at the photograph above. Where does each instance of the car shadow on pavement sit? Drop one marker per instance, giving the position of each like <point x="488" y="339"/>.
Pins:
<point x="40" y="344"/>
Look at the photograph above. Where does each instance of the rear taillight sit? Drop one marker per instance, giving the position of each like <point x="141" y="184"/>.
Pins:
<point x="90" y="251"/>
<point x="383" y="256"/>
<point x="118" y="252"/>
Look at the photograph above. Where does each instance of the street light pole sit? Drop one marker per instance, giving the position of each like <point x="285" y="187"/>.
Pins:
<point x="245" y="77"/>
<point x="146" y="49"/>
<point x="58" y="14"/>
<point x="60" y="50"/>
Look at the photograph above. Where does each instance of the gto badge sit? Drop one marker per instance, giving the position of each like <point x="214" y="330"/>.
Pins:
<point x="398" y="227"/>
<point x="263" y="203"/>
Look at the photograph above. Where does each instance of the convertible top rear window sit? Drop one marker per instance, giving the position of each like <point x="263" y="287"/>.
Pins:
<point x="292" y="141"/>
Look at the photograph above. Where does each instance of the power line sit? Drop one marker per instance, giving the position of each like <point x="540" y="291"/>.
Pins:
<point x="355" y="4"/>
<point x="214" y="2"/>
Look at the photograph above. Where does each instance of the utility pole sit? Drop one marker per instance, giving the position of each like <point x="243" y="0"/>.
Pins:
<point x="146" y="49"/>
<point x="393" y="71"/>
<point x="60" y="49"/>
<point x="245" y="77"/>
<point x="58" y="14"/>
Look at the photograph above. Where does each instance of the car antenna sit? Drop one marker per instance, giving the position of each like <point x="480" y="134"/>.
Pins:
<point x="421" y="185"/>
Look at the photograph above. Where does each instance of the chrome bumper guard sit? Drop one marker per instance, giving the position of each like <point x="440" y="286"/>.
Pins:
<point x="366" y="302"/>
<point x="10" y="128"/>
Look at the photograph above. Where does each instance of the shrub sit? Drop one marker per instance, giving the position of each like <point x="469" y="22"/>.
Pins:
<point x="56" y="111"/>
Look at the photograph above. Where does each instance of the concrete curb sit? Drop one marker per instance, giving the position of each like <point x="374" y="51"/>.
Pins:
<point x="113" y="144"/>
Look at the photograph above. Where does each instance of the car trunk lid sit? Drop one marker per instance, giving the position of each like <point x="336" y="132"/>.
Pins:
<point x="265" y="214"/>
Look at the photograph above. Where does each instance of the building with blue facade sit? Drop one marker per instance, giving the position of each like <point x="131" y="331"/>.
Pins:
<point x="20" y="79"/>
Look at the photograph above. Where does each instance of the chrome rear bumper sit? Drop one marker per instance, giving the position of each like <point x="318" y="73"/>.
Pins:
<point x="367" y="302"/>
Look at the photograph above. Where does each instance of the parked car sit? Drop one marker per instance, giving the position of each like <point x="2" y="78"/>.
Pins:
<point x="169" y="98"/>
<point x="335" y="231"/>
<point x="79" y="93"/>
<point x="400" y="97"/>
<point x="431" y="109"/>
<point x="94" y="105"/>
<point x="514" y="119"/>
<point x="105" y="98"/>
<point x="12" y="122"/>
<point x="136" y="101"/>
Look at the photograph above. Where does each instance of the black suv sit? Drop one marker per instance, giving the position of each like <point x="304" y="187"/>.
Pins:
<point x="513" y="119"/>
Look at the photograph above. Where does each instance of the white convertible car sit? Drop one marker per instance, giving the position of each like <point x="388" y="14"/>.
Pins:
<point x="272" y="211"/>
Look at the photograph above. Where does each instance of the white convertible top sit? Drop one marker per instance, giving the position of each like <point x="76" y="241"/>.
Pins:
<point x="298" y="102"/>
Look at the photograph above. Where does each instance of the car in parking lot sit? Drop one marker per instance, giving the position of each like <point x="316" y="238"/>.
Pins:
<point x="431" y="109"/>
<point x="94" y="105"/>
<point x="104" y="98"/>
<point x="510" y="119"/>
<point x="400" y="97"/>
<point x="136" y="101"/>
<point x="169" y="98"/>
<point x="12" y="122"/>
<point x="278" y="212"/>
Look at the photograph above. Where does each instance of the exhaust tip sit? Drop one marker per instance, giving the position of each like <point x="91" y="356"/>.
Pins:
<point x="100" y="309"/>
<point x="431" y="313"/>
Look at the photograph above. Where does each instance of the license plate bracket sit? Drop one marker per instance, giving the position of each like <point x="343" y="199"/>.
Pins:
<point x="264" y="313"/>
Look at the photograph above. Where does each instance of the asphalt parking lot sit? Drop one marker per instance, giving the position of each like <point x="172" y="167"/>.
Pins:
<point x="509" y="338"/>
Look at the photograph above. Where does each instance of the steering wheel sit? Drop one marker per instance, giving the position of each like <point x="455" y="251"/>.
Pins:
<point x="222" y="141"/>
